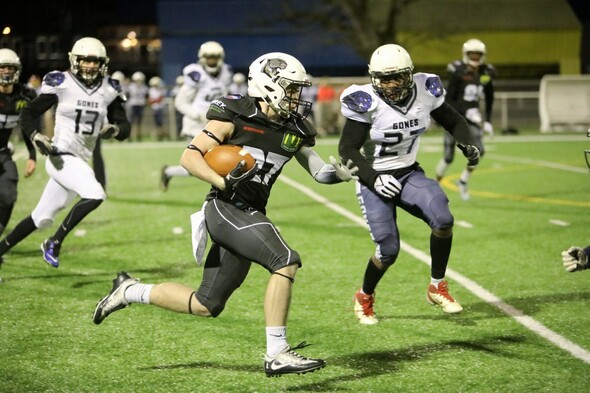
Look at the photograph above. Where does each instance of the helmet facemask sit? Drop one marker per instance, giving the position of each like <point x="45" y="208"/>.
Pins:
<point x="211" y="55"/>
<point x="89" y="73"/>
<point x="393" y="87"/>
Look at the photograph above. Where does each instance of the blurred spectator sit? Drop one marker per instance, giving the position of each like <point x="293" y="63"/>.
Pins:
<point x="156" y="99"/>
<point x="137" y="100"/>
<point x="325" y="109"/>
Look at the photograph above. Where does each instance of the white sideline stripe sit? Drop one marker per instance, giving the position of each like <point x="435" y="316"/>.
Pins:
<point x="547" y="164"/>
<point x="559" y="222"/>
<point x="528" y="322"/>
<point x="463" y="224"/>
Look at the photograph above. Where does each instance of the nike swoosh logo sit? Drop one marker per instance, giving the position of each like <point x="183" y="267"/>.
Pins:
<point x="274" y="366"/>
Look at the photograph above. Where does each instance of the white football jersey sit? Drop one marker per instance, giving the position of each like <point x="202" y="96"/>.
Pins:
<point x="80" y="111"/>
<point x="395" y="131"/>
<point x="198" y="90"/>
<point x="137" y="94"/>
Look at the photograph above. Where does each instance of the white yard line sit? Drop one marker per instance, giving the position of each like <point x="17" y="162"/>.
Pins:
<point x="488" y="297"/>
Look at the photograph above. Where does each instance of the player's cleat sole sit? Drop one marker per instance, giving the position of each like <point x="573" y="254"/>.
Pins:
<point x="363" y="308"/>
<point x="115" y="300"/>
<point x="50" y="251"/>
<point x="440" y="297"/>
<point x="290" y="362"/>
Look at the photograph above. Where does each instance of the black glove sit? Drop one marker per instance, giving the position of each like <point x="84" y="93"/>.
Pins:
<point x="42" y="142"/>
<point x="237" y="175"/>
<point x="471" y="153"/>
<point x="109" y="131"/>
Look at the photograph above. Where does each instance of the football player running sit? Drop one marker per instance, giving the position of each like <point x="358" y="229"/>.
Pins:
<point x="88" y="105"/>
<point x="390" y="114"/>
<point x="270" y="124"/>
<point x="203" y="81"/>
<point x="469" y="80"/>
<point x="14" y="97"/>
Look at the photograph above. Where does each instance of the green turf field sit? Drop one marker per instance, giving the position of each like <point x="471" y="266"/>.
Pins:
<point x="524" y="327"/>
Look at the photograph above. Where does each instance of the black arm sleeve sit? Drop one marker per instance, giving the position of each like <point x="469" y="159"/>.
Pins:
<point x="453" y="122"/>
<point x="33" y="111"/>
<point x="354" y="135"/>
<point x="452" y="95"/>
<point x="116" y="115"/>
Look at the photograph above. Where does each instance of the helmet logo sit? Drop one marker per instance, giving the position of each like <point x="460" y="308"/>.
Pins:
<point x="274" y="66"/>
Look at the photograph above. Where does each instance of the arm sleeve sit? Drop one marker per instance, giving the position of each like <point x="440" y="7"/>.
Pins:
<point x="116" y="115"/>
<point x="320" y="171"/>
<point x="453" y="122"/>
<point x="354" y="135"/>
<point x="30" y="114"/>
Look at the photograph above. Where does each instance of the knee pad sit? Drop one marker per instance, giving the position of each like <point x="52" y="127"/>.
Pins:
<point x="441" y="215"/>
<point x="388" y="251"/>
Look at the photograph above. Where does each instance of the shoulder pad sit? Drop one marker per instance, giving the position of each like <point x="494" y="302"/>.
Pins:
<point x="195" y="75"/>
<point x="54" y="78"/>
<point x="491" y="69"/>
<point x="452" y="67"/>
<point x="115" y="83"/>
<point x="434" y="86"/>
<point x="358" y="101"/>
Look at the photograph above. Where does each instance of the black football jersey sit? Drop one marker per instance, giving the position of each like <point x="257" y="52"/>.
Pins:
<point x="467" y="85"/>
<point x="270" y="143"/>
<point x="11" y="106"/>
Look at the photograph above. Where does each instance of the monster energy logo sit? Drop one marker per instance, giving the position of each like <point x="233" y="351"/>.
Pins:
<point x="20" y="104"/>
<point x="291" y="142"/>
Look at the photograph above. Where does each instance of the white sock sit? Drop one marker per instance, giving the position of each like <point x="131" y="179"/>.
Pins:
<point x="441" y="168"/>
<point x="276" y="340"/>
<point x="176" y="170"/>
<point x="465" y="175"/>
<point x="435" y="281"/>
<point x="139" y="293"/>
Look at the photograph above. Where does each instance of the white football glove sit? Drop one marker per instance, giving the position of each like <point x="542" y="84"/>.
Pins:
<point x="574" y="259"/>
<point x="42" y="142"/>
<point x="345" y="172"/>
<point x="473" y="115"/>
<point x="109" y="131"/>
<point x="488" y="128"/>
<point x="387" y="186"/>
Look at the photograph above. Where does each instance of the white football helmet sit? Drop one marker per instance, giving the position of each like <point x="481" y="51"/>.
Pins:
<point x="118" y="75"/>
<point x="211" y="56"/>
<point x="238" y="78"/>
<point x="155" y="81"/>
<point x="278" y="79"/>
<point x="10" y="61"/>
<point x="392" y="63"/>
<point x="138" y="77"/>
<point x="474" y="45"/>
<point x="89" y="49"/>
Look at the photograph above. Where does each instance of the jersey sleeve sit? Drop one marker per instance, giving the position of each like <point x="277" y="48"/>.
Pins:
<point x="52" y="82"/>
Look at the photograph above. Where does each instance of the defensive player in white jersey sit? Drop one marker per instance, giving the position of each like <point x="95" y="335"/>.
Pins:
<point x="388" y="116"/>
<point x="88" y="106"/>
<point x="203" y="81"/>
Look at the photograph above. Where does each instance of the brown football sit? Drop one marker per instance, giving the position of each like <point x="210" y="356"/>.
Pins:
<point x="223" y="158"/>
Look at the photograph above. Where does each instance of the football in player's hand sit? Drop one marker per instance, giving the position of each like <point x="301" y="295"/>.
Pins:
<point x="223" y="158"/>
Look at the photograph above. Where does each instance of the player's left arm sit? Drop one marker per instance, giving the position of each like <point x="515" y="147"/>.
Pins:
<point x="457" y="125"/>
